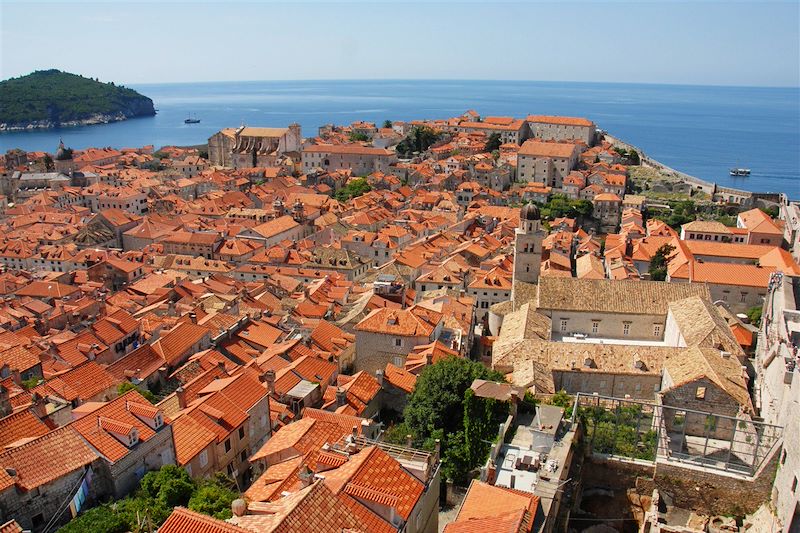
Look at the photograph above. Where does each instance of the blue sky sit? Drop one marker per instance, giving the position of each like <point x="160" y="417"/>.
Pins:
<point x="705" y="43"/>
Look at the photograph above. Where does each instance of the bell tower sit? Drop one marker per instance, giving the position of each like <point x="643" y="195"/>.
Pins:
<point x="528" y="239"/>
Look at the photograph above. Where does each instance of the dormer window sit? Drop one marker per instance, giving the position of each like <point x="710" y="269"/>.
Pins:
<point x="134" y="437"/>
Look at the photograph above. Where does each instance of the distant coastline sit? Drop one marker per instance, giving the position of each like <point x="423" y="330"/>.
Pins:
<point x="703" y="131"/>
<point x="49" y="99"/>
<point x="93" y="120"/>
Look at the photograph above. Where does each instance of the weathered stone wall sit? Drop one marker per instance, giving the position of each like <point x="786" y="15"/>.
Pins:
<point x="703" y="490"/>
<point x="714" y="493"/>
<point x="156" y="452"/>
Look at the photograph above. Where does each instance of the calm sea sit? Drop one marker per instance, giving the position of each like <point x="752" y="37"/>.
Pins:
<point x="700" y="130"/>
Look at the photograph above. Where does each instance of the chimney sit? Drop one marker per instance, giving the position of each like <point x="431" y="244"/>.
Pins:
<point x="379" y="377"/>
<point x="221" y="366"/>
<point x="270" y="380"/>
<point x="193" y="317"/>
<point x="238" y="507"/>
<point x="5" y="404"/>
<point x="355" y="432"/>
<point x="180" y="394"/>
<point x="306" y="476"/>
<point x="408" y="441"/>
<point x="341" y="397"/>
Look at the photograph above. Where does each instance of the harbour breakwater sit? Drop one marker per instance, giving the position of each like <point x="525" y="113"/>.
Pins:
<point x="717" y="193"/>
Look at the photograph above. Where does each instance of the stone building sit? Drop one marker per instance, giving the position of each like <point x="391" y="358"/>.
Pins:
<point x="248" y="147"/>
<point x="550" y="128"/>
<point x="528" y="239"/>
<point x="610" y="309"/>
<point x="361" y="160"/>
<point x="33" y="490"/>
<point x="387" y="335"/>
<point x="546" y="162"/>
<point x="704" y="380"/>
<point x="132" y="437"/>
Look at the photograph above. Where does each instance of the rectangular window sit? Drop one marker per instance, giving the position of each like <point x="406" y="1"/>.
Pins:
<point x="243" y="456"/>
<point x="656" y="330"/>
<point x="398" y="342"/>
<point x="626" y="328"/>
<point x="563" y="325"/>
<point x="595" y="326"/>
<point x="742" y="297"/>
<point x="700" y="393"/>
<point x="241" y="433"/>
<point x="203" y="458"/>
<point x="227" y="445"/>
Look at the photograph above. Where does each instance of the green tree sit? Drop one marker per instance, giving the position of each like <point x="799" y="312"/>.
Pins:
<point x="493" y="143"/>
<point x="441" y="407"/>
<point x="419" y="139"/>
<point x="101" y="519"/>
<point x="171" y="486"/>
<point x="214" y="497"/>
<point x="396" y="433"/>
<point x="359" y="137"/>
<point x="355" y="187"/>
<point x="48" y="163"/>
<point x="30" y="383"/>
<point x="754" y="314"/>
<point x="387" y="123"/>
<point x="658" y="265"/>
<point x="125" y="386"/>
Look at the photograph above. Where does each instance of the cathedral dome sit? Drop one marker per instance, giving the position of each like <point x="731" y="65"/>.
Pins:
<point x="529" y="212"/>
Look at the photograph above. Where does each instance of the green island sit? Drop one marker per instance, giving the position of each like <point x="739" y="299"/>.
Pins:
<point x="52" y="99"/>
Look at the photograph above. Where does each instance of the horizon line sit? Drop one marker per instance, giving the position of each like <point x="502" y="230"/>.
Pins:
<point x="508" y="80"/>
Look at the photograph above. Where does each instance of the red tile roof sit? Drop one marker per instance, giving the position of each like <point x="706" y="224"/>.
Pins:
<point x="21" y="425"/>
<point x="46" y="458"/>
<point x="185" y="521"/>
<point x="115" y="417"/>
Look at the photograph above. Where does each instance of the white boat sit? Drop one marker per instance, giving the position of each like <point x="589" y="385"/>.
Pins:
<point x="740" y="172"/>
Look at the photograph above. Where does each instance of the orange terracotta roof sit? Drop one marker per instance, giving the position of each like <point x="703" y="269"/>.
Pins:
<point x="185" y="521"/>
<point x="413" y="322"/>
<point x="47" y="458"/>
<point x="400" y="378"/>
<point x="190" y="438"/>
<point x="564" y="121"/>
<point x="115" y="417"/>
<point x="535" y="148"/>
<point x="483" y="500"/>
<point x="21" y="425"/>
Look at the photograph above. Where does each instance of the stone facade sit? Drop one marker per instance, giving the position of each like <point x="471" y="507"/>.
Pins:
<point x="375" y="350"/>
<point x="631" y="327"/>
<point x="528" y="239"/>
<point x="148" y="455"/>
<point x="34" y="509"/>
<point x="640" y="386"/>
<point x="360" y="159"/>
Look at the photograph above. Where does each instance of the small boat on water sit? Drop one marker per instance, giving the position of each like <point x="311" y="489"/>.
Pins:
<point x="192" y="121"/>
<point x="740" y="172"/>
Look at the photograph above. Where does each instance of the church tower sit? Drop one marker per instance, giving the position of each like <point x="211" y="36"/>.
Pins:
<point x="528" y="245"/>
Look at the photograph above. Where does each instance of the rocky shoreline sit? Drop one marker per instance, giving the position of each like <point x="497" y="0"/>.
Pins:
<point x="89" y="121"/>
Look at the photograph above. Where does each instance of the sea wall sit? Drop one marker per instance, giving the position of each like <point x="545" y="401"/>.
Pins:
<point x="718" y="193"/>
